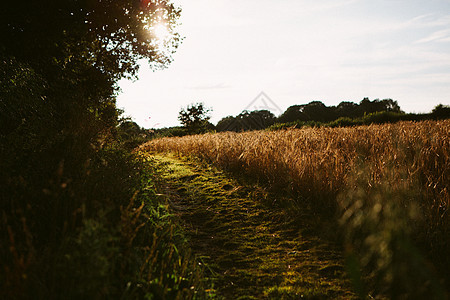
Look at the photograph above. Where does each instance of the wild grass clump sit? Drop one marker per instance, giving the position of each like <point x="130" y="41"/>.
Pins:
<point x="105" y="234"/>
<point x="380" y="223"/>
<point x="391" y="168"/>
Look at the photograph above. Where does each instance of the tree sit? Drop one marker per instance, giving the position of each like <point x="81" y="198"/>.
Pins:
<point x="313" y="111"/>
<point x="195" y="118"/>
<point x="367" y="107"/>
<point x="293" y="113"/>
<point x="60" y="62"/>
<point x="247" y="120"/>
<point x="228" y="123"/>
<point x="317" y="111"/>
<point x="441" y="112"/>
<point x="110" y="34"/>
<point x="79" y="50"/>
<point x="256" y="120"/>
<point x="347" y="109"/>
<point x="391" y="105"/>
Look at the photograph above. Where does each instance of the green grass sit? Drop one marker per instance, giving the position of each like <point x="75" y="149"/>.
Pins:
<point x="249" y="251"/>
<point x="387" y="186"/>
<point x="126" y="245"/>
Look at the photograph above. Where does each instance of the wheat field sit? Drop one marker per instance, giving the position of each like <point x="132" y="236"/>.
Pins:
<point x="318" y="164"/>
<point x="383" y="181"/>
<point x="321" y="162"/>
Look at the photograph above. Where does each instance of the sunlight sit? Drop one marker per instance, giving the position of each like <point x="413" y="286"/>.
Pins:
<point x="160" y="32"/>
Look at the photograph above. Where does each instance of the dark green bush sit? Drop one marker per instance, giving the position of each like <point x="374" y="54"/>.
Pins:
<point x="71" y="193"/>
<point x="115" y="239"/>
<point x="344" y="122"/>
<point x="382" y="117"/>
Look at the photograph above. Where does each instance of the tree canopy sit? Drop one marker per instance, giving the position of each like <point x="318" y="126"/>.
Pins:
<point x="195" y="117"/>
<point x="110" y="35"/>
<point x="247" y="120"/>
<point x="315" y="111"/>
<point x="60" y="62"/>
<point x="319" y="112"/>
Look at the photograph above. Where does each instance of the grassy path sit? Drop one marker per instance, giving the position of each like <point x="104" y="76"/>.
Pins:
<point x="250" y="251"/>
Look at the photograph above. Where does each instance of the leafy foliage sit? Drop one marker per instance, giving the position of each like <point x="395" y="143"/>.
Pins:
<point x="312" y="113"/>
<point x="67" y="229"/>
<point x="195" y="118"/>
<point x="131" y="135"/>
<point x="318" y="112"/>
<point x="381" y="117"/>
<point x="441" y="112"/>
<point x="247" y="120"/>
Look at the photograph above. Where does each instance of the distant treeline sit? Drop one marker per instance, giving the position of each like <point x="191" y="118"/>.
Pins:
<point x="314" y="114"/>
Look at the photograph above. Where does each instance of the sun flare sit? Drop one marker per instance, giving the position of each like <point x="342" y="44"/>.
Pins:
<point x="160" y="32"/>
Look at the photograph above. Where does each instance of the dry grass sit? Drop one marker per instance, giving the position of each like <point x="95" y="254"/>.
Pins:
<point x="319" y="163"/>
<point x="387" y="180"/>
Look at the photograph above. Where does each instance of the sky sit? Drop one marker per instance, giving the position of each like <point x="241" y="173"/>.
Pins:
<point x="295" y="52"/>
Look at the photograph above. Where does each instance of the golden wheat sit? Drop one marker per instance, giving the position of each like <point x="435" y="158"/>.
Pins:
<point x="319" y="163"/>
<point x="388" y="181"/>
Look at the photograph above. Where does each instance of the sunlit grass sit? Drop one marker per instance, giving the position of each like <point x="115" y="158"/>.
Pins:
<point x="321" y="162"/>
<point x="390" y="182"/>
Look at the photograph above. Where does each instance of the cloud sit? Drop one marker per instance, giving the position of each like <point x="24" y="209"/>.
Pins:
<point x="424" y="21"/>
<point x="210" y="86"/>
<point x="427" y="21"/>
<point x="437" y="36"/>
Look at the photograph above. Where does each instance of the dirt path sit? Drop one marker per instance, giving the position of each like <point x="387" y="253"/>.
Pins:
<point x="250" y="251"/>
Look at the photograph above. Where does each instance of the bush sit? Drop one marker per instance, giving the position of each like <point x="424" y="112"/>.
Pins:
<point x="131" y="135"/>
<point x="382" y="117"/>
<point x="103" y="234"/>
<point x="344" y="122"/>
